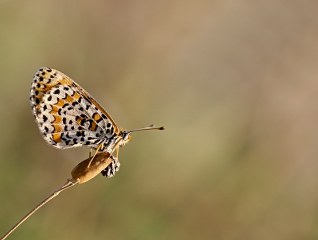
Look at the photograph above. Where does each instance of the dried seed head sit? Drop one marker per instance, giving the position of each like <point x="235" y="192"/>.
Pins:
<point x="83" y="173"/>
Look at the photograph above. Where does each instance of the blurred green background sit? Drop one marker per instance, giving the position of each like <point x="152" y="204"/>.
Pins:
<point x="234" y="82"/>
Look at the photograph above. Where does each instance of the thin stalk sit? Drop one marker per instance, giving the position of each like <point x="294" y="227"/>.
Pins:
<point x="68" y="184"/>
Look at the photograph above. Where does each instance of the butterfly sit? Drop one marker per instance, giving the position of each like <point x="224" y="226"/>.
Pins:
<point x="68" y="116"/>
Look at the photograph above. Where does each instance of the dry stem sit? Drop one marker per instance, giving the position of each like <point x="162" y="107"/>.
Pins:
<point x="68" y="184"/>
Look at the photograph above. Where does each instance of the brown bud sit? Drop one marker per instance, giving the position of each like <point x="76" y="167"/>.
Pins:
<point x="88" y="169"/>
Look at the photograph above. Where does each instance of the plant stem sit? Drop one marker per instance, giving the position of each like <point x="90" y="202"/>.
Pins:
<point x="68" y="184"/>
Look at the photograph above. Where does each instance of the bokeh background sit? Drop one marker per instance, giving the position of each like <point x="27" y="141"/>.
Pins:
<point x="234" y="82"/>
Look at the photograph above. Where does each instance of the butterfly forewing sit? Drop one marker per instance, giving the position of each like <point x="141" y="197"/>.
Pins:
<point x="66" y="114"/>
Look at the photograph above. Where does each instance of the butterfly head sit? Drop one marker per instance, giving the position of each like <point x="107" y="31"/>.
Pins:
<point x="125" y="137"/>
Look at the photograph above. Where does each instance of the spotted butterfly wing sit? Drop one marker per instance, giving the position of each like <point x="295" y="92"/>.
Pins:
<point x="66" y="114"/>
<point x="111" y="169"/>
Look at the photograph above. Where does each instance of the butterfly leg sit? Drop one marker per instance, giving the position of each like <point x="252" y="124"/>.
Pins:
<point x="116" y="151"/>
<point x="96" y="151"/>
<point x="91" y="150"/>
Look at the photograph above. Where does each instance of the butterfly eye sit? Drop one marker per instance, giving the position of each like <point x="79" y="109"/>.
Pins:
<point x="126" y="136"/>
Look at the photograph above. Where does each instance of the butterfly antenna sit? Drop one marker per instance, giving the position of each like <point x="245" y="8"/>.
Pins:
<point x="151" y="127"/>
